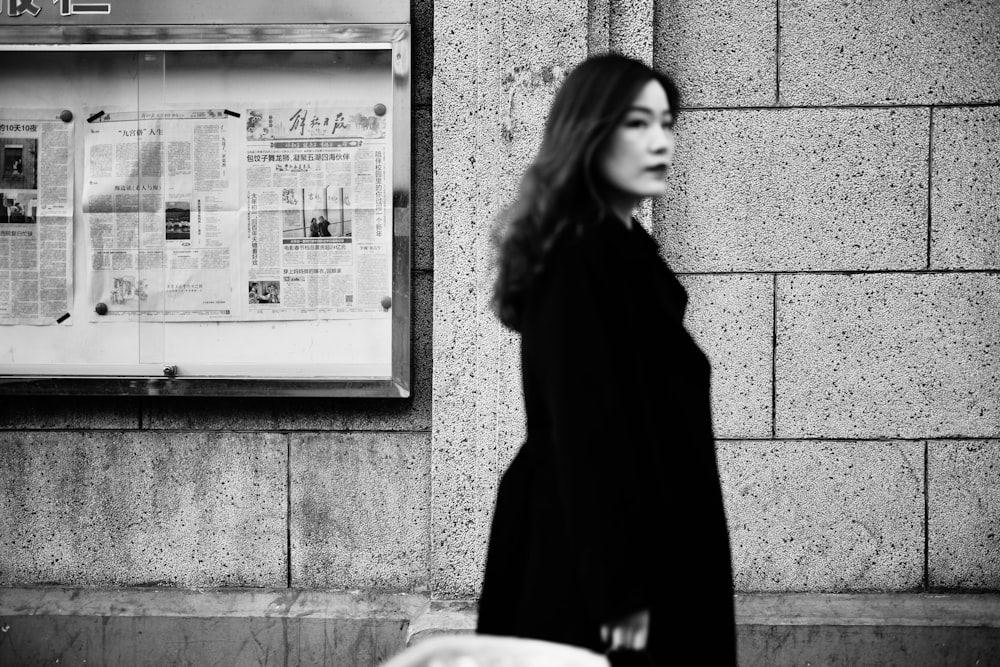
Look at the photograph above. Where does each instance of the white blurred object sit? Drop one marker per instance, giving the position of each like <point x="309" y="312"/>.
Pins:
<point x="470" y="650"/>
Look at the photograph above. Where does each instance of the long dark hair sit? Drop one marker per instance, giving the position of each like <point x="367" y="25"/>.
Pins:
<point x="562" y="191"/>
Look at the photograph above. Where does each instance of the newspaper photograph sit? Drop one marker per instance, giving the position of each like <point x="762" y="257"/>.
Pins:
<point x="318" y="239"/>
<point x="36" y="218"/>
<point x="162" y="215"/>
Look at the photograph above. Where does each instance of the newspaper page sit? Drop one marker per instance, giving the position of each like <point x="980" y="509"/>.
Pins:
<point x="161" y="212"/>
<point x="318" y="241"/>
<point x="36" y="217"/>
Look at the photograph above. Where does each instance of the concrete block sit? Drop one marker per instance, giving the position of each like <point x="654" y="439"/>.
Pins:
<point x="630" y="30"/>
<point x="963" y="514"/>
<point x="875" y="610"/>
<point x="151" y="641"/>
<point x="965" y="188"/>
<point x="457" y="27"/>
<point x="210" y="413"/>
<point x="527" y="94"/>
<point x="542" y="32"/>
<point x="466" y="334"/>
<point x="470" y="448"/>
<point x="421" y="353"/>
<point x="469" y="159"/>
<point x="153" y="627"/>
<point x="539" y="44"/>
<point x="720" y="53"/>
<point x="477" y="385"/>
<point x="920" y="52"/>
<point x="456" y="206"/>
<point x="598" y="26"/>
<point x="422" y="191"/>
<point x="888" y="355"/>
<point x="731" y="319"/>
<point x="797" y="190"/>
<point x="132" y="509"/>
<point x="77" y="412"/>
<point x="360" y="510"/>
<point x="867" y="630"/>
<point x="824" y="516"/>
<point x="133" y="627"/>
<point x="511" y="424"/>
<point x="867" y="646"/>
<point x="496" y="67"/>
<point x="422" y="53"/>
<point x="444" y="617"/>
<point x="370" y="414"/>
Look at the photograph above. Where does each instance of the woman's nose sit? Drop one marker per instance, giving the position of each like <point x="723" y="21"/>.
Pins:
<point x="662" y="140"/>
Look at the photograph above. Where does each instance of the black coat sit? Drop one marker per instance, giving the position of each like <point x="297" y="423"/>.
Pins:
<point x="613" y="503"/>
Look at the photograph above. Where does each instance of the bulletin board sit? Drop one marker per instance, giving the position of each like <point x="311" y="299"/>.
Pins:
<point x="209" y="208"/>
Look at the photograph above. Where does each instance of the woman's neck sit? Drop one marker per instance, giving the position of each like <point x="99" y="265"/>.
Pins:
<point x="622" y="211"/>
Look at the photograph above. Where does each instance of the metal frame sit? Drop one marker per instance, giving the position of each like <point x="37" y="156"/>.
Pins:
<point x="165" y="37"/>
<point x="247" y="37"/>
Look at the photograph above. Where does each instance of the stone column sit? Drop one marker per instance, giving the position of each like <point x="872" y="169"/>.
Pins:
<point x="497" y="66"/>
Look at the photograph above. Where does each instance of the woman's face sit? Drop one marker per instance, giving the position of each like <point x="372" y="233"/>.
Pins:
<point x="639" y="152"/>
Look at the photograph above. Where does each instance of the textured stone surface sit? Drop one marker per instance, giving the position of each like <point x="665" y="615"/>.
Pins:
<point x="731" y="318"/>
<point x="963" y="508"/>
<point x="510" y="401"/>
<point x="630" y="28"/>
<point x="128" y="509"/>
<point x="422" y="54"/>
<point x="421" y="355"/>
<point x="383" y="414"/>
<point x="888" y="355"/>
<point x="422" y="189"/>
<point x="463" y="485"/>
<point x="824" y="516"/>
<point x="360" y="510"/>
<point x="965" y="188"/>
<point x="153" y="641"/>
<point x="866" y="645"/>
<point x="719" y="52"/>
<point x="77" y="412"/>
<point x="498" y="66"/>
<point x="522" y="108"/>
<point x="130" y="629"/>
<point x="210" y="413"/>
<point x="797" y="189"/>
<point x="860" y="52"/>
<point x="598" y="26"/>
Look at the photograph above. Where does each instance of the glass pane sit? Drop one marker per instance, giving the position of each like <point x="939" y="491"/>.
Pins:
<point x="86" y="241"/>
<point x="231" y="209"/>
<point x="155" y="223"/>
<point x="312" y="261"/>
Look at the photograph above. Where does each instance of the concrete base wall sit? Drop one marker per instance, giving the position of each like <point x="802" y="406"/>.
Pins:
<point x="138" y="628"/>
<point x="154" y="627"/>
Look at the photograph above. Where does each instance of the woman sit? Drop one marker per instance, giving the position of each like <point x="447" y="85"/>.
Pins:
<point x="609" y="531"/>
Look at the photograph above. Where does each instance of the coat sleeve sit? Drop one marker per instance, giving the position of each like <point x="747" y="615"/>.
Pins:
<point x="609" y="418"/>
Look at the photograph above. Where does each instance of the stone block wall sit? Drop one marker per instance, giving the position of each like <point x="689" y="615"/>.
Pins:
<point x="833" y="215"/>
